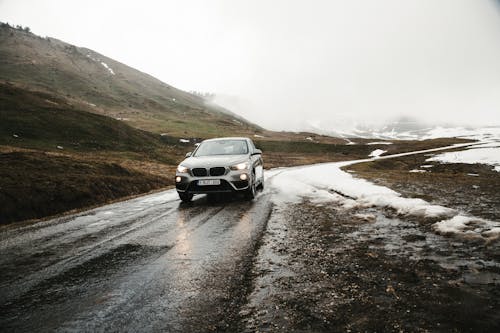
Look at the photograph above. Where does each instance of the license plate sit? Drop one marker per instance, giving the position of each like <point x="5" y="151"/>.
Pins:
<point x="205" y="182"/>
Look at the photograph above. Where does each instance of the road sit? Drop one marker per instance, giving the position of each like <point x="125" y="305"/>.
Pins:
<point x="154" y="264"/>
<point x="147" y="264"/>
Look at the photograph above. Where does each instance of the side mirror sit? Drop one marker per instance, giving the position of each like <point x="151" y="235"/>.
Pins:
<point x="257" y="152"/>
<point x="188" y="154"/>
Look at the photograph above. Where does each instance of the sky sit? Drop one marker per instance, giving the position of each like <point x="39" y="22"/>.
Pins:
<point x="294" y="65"/>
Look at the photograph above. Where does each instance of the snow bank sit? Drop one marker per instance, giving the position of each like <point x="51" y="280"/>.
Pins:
<point x="327" y="182"/>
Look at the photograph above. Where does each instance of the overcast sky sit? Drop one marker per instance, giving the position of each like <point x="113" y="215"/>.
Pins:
<point x="299" y="64"/>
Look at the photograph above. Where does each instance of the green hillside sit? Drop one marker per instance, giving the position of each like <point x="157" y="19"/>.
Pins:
<point x="41" y="120"/>
<point x="104" y="86"/>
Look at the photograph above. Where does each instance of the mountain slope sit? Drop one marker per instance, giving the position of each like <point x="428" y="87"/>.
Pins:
<point x="103" y="85"/>
<point x="42" y="120"/>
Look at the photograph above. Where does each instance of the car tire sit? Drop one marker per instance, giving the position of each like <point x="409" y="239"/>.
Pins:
<point x="251" y="191"/>
<point x="185" y="197"/>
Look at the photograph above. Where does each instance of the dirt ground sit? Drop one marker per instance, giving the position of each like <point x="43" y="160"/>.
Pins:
<point x="328" y="269"/>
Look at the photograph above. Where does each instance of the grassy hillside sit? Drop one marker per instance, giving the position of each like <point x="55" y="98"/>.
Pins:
<point x="43" y="120"/>
<point x="55" y="157"/>
<point x="103" y="85"/>
<point x="36" y="184"/>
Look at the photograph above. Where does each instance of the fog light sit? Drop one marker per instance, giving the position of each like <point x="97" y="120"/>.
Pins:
<point x="178" y="179"/>
<point x="243" y="176"/>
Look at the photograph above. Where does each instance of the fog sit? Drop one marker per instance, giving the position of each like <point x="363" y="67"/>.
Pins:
<point x="292" y="65"/>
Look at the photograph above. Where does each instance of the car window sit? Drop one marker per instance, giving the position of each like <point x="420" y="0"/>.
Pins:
<point x="222" y="147"/>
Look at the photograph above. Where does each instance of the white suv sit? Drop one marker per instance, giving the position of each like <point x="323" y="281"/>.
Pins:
<point x="221" y="165"/>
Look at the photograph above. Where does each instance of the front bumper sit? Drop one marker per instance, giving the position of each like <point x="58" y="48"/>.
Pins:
<point x="229" y="182"/>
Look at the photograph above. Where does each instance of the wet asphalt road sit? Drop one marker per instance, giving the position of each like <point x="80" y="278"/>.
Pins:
<point x="146" y="264"/>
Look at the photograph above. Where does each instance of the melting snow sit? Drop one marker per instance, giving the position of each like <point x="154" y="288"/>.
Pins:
<point x="377" y="153"/>
<point x="327" y="183"/>
<point x="472" y="226"/>
<point x="184" y="141"/>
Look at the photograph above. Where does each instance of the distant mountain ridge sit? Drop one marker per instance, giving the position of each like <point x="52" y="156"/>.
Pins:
<point x="102" y="85"/>
<point x="403" y="128"/>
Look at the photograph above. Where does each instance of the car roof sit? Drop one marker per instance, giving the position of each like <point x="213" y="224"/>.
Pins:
<point x="228" y="138"/>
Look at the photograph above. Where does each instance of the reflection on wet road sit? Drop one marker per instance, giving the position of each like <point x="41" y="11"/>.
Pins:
<point x="147" y="264"/>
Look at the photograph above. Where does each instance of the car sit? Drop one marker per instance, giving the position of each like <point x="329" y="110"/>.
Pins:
<point x="221" y="165"/>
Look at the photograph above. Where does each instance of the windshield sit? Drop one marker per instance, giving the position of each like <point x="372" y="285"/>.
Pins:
<point x="222" y="147"/>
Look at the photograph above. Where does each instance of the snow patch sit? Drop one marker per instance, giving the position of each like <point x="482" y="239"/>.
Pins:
<point x="377" y="152"/>
<point x="380" y="143"/>
<point x="107" y="67"/>
<point x="184" y="141"/>
<point x="258" y="136"/>
<point x="466" y="225"/>
<point x="327" y="182"/>
<point x="418" y="171"/>
<point x="490" y="156"/>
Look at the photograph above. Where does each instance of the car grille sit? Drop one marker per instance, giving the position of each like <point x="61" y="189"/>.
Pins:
<point x="199" y="172"/>
<point x="218" y="171"/>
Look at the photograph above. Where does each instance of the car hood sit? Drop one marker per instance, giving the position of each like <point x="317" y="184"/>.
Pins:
<point x="213" y="161"/>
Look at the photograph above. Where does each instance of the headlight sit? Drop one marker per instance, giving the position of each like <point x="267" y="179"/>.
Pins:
<point x="182" y="169"/>
<point x="241" y="166"/>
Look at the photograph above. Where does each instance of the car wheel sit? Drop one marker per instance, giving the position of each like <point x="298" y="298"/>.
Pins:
<point x="185" y="197"/>
<point x="261" y="185"/>
<point x="250" y="192"/>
